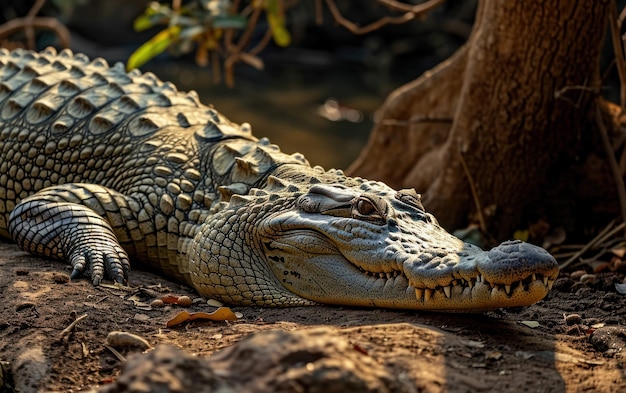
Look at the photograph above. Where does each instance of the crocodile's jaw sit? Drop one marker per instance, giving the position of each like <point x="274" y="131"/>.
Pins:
<point x="321" y="252"/>
<point x="331" y="278"/>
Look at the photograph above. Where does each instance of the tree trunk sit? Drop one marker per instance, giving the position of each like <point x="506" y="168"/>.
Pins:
<point x="489" y="129"/>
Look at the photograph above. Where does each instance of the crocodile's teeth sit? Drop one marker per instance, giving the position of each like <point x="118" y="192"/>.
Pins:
<point x="550" y="283"/>
<point x="381" y="275"/>
<point x="419" y="293"/>
<point x="470" y="283"/>
<point x="446" y="290"/>
<point x="428" y="294"/>
<point x="479" y="278"/>
<point x="545" y="281"/>
<point x="534" y="277"/>
<point x="507" y="289"/>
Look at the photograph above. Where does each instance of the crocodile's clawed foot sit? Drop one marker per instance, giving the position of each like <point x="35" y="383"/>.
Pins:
<point x="71" y="232"/>
<point x="109" y="261"/>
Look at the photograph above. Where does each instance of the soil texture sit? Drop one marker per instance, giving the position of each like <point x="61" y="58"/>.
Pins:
<point x="572" y="341"/>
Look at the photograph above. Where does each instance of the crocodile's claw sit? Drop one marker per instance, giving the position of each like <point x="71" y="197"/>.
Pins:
<point x="109" y="261"/>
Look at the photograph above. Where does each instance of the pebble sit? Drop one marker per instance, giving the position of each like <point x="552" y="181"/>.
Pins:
<point x="587" y="277"/>
<point x="577" y="274"/>
<point x="184" y="301"/>
<point x="118" y="339"/>
<point x="157" y="303"/>
<point x="573" y="319"/>
<point x="609" y="339"/>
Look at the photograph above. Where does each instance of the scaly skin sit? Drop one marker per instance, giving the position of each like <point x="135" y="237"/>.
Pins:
<point x="99" y="167"/>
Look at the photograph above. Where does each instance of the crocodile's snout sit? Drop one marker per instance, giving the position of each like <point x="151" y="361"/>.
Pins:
<point x="524" y="259"/>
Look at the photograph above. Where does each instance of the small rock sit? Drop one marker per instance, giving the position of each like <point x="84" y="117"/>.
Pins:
<point x="141" y="317"/>
<point x="269" y="361"/>
<point x="184" y="301"/>
<point x="166" y="369"/>
<point x="577" y="274"/>
<point x="587" y="277"/>
<point x="157" y="303"/>
<point x="573" y="319"/>
<point x="609" y="339"/>
<point x="118" y="339"/>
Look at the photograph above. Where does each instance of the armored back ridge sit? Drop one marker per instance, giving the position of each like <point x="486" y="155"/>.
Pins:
<point x="99" y="167"/>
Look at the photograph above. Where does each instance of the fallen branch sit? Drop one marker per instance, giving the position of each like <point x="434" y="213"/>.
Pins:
<point x="605" y="234"/>
<point x="615" y="170"/>
<point x="354" y="29"/>
<point x="71" y="327"/>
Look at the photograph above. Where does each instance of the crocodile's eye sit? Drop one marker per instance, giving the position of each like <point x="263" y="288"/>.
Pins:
<point x="371" y="209"/>
<point x="365" y="207"/>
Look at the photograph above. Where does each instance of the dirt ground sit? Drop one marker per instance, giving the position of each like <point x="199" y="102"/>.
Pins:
<point x="570" y="342"/>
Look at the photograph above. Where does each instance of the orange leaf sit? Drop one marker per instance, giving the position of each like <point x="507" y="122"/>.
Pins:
<point x="169" y="299"/>
<point x="221" y="314"/>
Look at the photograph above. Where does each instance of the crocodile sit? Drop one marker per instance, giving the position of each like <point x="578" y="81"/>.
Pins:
<point x="100" y="166"/>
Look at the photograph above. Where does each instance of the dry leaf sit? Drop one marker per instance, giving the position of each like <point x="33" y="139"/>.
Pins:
<point x="474" y="344"/>
<point x="530" y="324"/>
<point x="117" y="286"/>
<point x="214" y="303"/>
<point x="221" y="314"/>
<point x="493" y="355"/>
<point x="169" y="299"/>
<point x="621" y="288"/>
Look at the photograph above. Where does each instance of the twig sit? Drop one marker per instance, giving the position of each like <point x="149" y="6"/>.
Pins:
<point x="71" y="326"/>
<point x="234" y="51"/>
<point x="28" y="27"/>
<point x="560" y="94"/>
<point x="262" y="43"/>
<point x="354" y="29"/>
<point x="614" y="20"/>
<point x="52" y="24"/>
<point x="115" y="353"/>
<point x="617" y="176"/>
<point x="416" y="9"/>
<point x="477" y="204"/>
<point x="621" y="18"/>
<point x="602" y="236"/>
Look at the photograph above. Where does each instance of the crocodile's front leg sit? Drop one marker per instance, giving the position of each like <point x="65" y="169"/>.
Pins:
<point x="79" y="224"/>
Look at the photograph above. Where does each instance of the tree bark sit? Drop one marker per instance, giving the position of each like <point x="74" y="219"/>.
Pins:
<point x="486" y="130"/>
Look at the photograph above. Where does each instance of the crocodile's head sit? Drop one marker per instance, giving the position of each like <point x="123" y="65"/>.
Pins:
<point x="366" y="244"/>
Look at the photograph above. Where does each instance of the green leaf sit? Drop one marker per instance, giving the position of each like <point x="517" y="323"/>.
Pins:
<point x="229" y="22"/>
<point x="276" y="20"/>
<point x="144" y="22"/>
<point x="153" y="47"/>
<point x="154" y="14"/>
